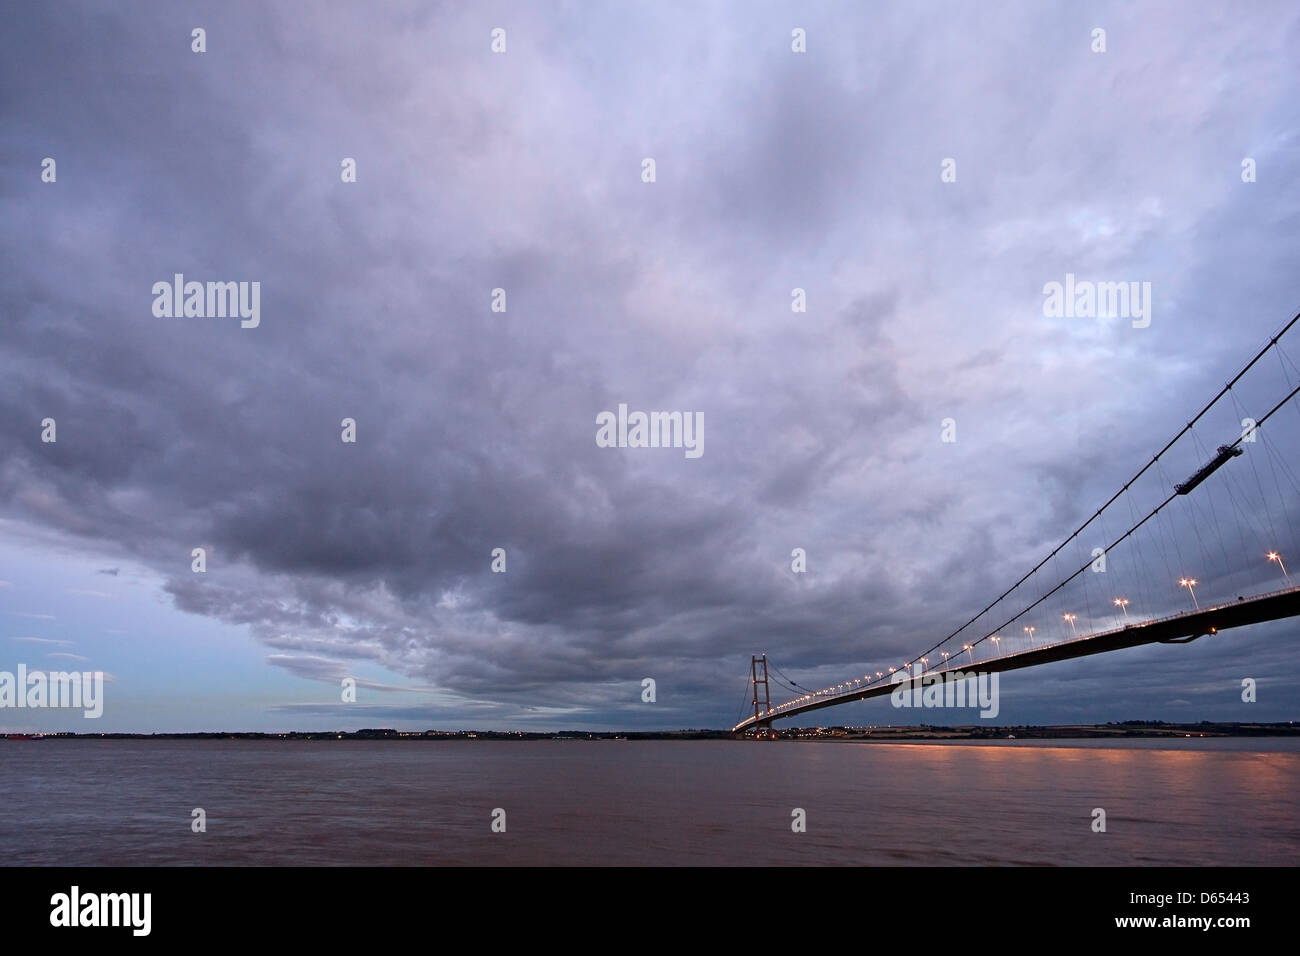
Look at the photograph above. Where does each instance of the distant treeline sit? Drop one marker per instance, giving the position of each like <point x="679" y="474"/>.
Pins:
<point x="1126" y="728"/>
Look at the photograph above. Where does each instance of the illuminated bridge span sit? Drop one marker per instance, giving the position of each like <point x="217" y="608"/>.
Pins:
<point x="1165" y="559"/>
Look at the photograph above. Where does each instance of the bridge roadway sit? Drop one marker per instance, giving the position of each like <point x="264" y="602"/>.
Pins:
<point x="1176" y="629"/>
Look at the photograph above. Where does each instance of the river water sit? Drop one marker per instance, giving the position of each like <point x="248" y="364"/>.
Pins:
<point x="416" y="802"/>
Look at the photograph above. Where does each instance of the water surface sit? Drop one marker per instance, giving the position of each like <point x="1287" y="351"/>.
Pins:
<point x="416" y="802"/>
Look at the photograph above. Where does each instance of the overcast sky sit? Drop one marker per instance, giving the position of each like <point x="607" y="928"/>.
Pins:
<point x="523" y="170"/>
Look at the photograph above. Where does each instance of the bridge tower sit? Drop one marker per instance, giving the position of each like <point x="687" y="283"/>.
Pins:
<point x="757" y="665"/>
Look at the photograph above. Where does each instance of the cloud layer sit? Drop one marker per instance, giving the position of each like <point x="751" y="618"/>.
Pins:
<point x="522" y="171"/>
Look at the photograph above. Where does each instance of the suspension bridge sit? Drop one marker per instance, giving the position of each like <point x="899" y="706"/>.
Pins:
<point x="1050" y="597"/>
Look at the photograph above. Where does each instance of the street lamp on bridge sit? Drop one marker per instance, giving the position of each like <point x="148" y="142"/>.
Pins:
<point x="1030" y="632"/>
<point x="1122" y="604"/>
<point x="1274" y="556"/>
<point x="969" y="653"/>
<point x="1190" y="584"/>
<point x="1070" y="618"/>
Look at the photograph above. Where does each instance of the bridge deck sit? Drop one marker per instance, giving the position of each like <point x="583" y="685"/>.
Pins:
<point x="1188" y="625"/>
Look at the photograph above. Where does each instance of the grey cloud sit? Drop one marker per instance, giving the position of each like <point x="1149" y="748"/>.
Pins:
<point x="476" y="429"/>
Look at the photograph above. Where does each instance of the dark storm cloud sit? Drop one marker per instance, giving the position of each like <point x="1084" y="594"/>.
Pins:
<point x="522" y="171"/>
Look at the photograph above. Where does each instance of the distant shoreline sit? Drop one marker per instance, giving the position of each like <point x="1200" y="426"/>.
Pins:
<point x="1112" y="731"/>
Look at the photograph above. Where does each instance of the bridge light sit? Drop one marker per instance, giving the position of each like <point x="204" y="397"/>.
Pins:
<point x="1122" y="604"/>
<point x="1190" y="584"/>
<point x="1274" y="556"/>
<point x="1070" y="618"/>
<point x="1030" y="632"/>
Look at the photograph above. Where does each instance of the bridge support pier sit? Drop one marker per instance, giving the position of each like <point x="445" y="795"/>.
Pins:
<point x="758" y="676"/>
